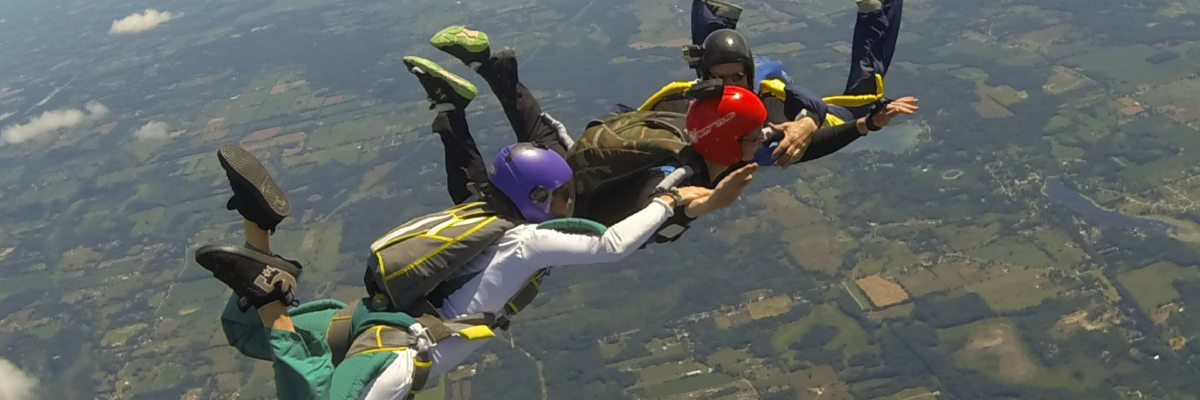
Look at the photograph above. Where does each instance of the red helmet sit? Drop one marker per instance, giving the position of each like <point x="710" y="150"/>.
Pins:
<point x="717" y="123"/>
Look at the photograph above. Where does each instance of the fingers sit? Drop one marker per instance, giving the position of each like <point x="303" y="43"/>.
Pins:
<point x="788" y="152"/>
<point x="902" y="108"/>
<point x="735" y="178"/>
<point x="787" y="159"/>
<point x="793" y="155"/>
<point x="744" y="174"/>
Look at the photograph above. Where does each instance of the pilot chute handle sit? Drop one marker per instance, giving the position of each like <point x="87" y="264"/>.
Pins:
<point x="705" y="90"/>
<point x="674" y="179"/>
<point x="773" y="136"/>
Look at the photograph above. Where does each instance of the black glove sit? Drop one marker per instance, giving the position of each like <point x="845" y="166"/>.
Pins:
<point x="876" y="107"/>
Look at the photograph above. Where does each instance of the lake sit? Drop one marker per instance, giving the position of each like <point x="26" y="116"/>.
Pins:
<point x="1059" y="193"/>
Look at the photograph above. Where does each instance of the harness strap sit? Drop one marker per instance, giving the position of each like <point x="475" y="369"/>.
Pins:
<point x="338" y="332"/>
<point x="380" y="338"/>
<point x="438" y="330"/>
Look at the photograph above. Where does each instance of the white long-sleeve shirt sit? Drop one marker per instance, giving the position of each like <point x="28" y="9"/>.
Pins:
<point x="503" y="269"/>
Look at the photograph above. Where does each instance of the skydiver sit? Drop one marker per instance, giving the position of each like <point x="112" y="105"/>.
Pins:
<point x="739" y="143"/>
<point x="792" y="109"/>
<point x="528" y="183"/>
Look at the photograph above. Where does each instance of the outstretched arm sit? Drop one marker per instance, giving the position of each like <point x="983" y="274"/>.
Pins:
<point x="548" y="247"/>
<point x="828" y="140"/>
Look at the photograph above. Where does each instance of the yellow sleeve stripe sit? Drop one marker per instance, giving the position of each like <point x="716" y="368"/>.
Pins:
<point x="858" y="100"/>
<point x="773" y="87"/>
<point x="671" y="88"/>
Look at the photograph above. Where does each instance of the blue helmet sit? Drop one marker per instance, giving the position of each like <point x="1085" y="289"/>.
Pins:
<point x="531" y="176"/>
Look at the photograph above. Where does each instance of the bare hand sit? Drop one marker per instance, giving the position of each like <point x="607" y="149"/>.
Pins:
<point x="903" y="105"/>
<point x="730" y="188"/>
<point x="796" y="137"/>
<point x="727" y="191"/>
<point x="693" y="193"/>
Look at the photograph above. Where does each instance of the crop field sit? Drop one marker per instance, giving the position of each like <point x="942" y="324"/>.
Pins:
<point x="1015" y="290"/>
<point x="819" y="247"/>
<point x="882" y="292"/>
<point x="851" y="339"/>
<point x="769" y="307"/>
<point x="1066" y="80"/>
<point x="1151" y="286"/>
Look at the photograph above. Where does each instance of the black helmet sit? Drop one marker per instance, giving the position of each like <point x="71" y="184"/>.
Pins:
<point x="725" y="46"/>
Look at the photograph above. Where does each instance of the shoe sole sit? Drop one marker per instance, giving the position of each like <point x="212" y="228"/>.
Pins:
<point x="451" y="37"/>
<point x="242" y="165"/>
<point x="725" y="9"/>
<point x="207" y="250"/>
<point x="461" y="86"/>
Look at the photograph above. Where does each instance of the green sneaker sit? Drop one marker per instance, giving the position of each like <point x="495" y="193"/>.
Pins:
<point x="467" y="45"/>
<point x="441" y="86"/>
<point x="867" y="6"/>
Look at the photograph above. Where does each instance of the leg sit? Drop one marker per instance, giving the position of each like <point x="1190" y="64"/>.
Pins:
<point x="520" y="106"/>
<point x="500" y="71"/>
<point x="300" y="357"/>
<point x="464" y="164"/>
<point x="875" y="32"/>
<point x="257" y="198"/>
<point x="450" y="94"/>
<point x="711" y="15"/>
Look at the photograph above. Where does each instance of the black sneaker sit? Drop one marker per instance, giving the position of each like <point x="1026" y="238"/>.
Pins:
<point x="441" y="86"/>
<point x="464" y="44"/>
<point x="257" y="279"/>
<point x="255" y="194"/>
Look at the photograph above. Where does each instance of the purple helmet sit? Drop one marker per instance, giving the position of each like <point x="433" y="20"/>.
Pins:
<point x="530" y="176"/>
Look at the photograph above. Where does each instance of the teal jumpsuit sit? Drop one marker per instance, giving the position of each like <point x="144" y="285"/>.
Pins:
<point x="302" y="360"/>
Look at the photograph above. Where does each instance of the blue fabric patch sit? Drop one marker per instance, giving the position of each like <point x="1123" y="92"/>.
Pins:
<point x="666" y="169"/>
<point x="767" y="68"/>
<point x="763" y="155"/>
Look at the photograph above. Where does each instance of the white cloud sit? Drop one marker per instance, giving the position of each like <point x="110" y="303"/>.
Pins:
<point x="152" y="130"/>
<point x="14" y="383"/>
<point x="50" y="121"/>
<point x="140" y="22"/>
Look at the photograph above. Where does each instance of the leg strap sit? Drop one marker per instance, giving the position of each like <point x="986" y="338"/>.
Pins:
<point x="338" y="333"/>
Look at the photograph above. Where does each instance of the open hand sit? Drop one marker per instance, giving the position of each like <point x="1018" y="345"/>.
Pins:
<point x="693" y="193"/>
<point x="903" y="105"/>
<point x="727" y="191"/>
<point x="796" y="137"/>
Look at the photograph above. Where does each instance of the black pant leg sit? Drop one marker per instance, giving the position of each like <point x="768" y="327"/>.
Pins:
<point x="464" y="164"/>
<point x="520" y="106"/>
